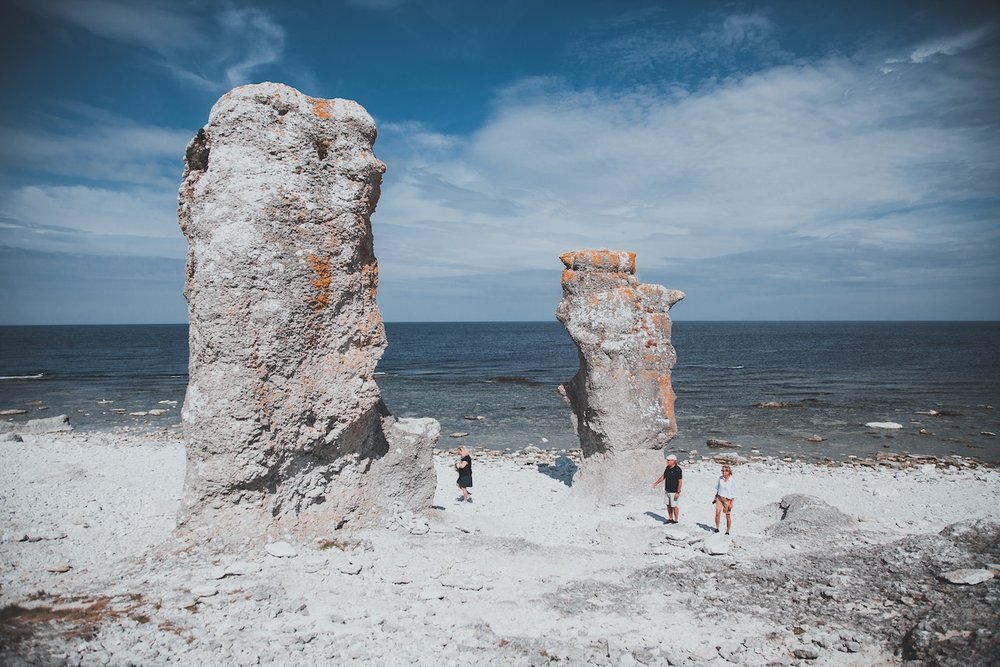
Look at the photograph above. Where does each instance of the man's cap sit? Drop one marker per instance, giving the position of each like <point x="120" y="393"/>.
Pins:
<point x="671" y="458"/>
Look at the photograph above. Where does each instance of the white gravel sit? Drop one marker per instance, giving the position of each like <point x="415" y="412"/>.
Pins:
<point x="531" y="569"/>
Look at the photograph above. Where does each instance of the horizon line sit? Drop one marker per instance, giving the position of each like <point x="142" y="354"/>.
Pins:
<point x="552" y="321"/>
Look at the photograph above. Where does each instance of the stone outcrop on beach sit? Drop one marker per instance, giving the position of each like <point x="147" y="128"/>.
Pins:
<point x="621" y="397"/>
<point x="284" y="422"/>
<point x="55" y="424"/>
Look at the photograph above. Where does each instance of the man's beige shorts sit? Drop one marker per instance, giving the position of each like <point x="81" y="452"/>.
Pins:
<point x="671" y="502"/>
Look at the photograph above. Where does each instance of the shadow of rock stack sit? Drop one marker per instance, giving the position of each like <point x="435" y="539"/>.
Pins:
<point x="286" y="430"/>
<point x="621" y="398"/>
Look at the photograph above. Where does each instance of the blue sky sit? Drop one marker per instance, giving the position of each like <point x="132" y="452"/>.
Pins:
<point x="776" y="161"/>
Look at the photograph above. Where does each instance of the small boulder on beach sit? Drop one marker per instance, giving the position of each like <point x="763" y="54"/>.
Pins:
<point x="967" y="576"/>
<point x="716" y="544"/>
<point x="281" y="550"/>
<point x="56" y="424"/>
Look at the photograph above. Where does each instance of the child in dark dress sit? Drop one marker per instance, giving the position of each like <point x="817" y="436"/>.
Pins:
<point x="464" y="468"/>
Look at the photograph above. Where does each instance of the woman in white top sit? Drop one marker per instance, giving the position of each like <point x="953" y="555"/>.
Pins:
<point x="725" y="494"/>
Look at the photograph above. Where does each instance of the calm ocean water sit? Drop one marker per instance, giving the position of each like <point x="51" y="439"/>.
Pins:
<point x="842" y="374"/>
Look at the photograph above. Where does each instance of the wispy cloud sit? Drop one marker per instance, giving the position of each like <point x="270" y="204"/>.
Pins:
<point x="253" y="40"/>
<point x="952" y="44"/>
<point x="377" y="4"/>
<point x="212" y="51"/>
<point x="159" y="27"/>
<point x="650" y="42"/>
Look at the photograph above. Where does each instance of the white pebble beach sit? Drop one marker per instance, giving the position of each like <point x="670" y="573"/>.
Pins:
<point x="532" y="572"/>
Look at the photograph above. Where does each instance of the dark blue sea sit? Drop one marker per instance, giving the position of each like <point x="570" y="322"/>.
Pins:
<point x="839" y="375"/>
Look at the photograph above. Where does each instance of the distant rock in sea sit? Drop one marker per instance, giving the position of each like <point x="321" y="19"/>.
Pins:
<point x="892" y="426"/>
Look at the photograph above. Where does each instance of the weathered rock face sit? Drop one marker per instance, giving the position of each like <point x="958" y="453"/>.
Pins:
<point x="284" y="421"/>
<point x="621" y="397"/>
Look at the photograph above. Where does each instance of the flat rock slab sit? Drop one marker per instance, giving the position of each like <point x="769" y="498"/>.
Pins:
<point x="351" y="568"/>
<point x="676" y="534"/>
<point x="967" y="576"/>
<point x="717" y="545"/>
<point x="281" y="550"/>
<point x="885" y="425"/>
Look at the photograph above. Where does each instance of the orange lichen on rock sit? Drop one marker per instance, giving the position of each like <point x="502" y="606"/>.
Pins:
<point x="667" y="397"/>
<point x="661" y="321"/>
<point x="321" y="108"/>
<point x="614" y="260"/>
<point x="321" y="283"/>
<point x="567" y="276"/>
<point x="607" y="260"/>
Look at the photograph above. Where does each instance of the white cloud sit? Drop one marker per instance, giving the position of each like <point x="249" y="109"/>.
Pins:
<point x="92" y="220"/>
<point x="818" y="152"/>
<point x="108" y="149"/>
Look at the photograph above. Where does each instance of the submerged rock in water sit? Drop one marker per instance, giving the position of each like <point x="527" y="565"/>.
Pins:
<point x="621" y="397"/>
<point x="284" y="421"/>
<point x="716" y="443"/>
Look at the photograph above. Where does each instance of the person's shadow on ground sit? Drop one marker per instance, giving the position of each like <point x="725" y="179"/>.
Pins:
<point x="563" y="470"/>
<point x="661" y="519"/>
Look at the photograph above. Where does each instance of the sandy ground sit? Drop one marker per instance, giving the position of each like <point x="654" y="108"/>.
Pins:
<point x="533" y="572"/>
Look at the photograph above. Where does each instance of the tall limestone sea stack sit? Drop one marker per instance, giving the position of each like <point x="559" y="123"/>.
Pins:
<point x="286" y="430"/>
<point x="621" y="398"/>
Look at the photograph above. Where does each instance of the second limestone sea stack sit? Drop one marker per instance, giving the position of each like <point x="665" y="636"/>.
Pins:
<point x="621" y="397"/>
<point x="285" y="425"/>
